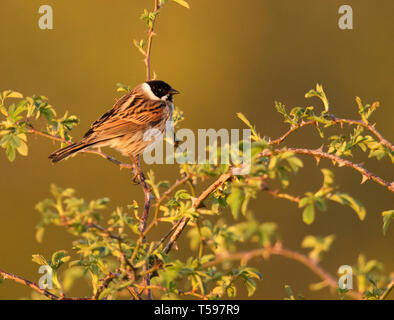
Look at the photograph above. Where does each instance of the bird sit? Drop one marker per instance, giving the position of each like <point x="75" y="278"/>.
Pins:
<point x="148" y="106"/>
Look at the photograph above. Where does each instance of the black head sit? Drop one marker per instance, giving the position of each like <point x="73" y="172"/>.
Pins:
<point x="161" y="89"/>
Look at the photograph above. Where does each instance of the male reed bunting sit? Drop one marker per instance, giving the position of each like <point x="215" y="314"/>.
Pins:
<point x="147" y="106"/>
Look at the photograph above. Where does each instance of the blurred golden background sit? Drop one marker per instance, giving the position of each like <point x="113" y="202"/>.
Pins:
<point x="224" y="57"/>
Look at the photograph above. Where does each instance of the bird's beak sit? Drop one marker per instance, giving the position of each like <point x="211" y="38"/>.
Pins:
<point x="173" y="91"/>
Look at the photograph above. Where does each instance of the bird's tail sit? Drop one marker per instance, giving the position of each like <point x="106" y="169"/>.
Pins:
<point x="67" y="151"/>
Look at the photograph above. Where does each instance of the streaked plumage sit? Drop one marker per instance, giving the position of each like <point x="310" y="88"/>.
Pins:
<point x="149" y="105"/>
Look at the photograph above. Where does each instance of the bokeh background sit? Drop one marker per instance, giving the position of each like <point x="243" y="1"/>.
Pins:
<point x="225" y="57"/>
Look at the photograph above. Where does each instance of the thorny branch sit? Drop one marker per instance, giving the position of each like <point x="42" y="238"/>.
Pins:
<point x="335" y="120"/>
<point x="278" y="250"/>
<point x="34" y="286"/>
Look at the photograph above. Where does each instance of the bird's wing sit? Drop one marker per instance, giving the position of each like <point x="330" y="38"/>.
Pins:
<point x="133" y="112"/>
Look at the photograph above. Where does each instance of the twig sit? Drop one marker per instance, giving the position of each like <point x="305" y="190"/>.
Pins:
<point x="106" y="282"/>
<point x="105" y="231"/>
<point x="278" y="250"/>
<point x="318" y="154"/>
<point x="335" y="120"/>
<point x="389" y="288"/>
<point x="168" y="192"/>
<point x="150" y="40"/>
<point x="145" y="215"/>
<point x="101" y="154"/>
<point x="368" y="126"/>
<point x="343" y="162"/>
<point x="277" y="194"/>
<point x="290" y="131"/>
<point x="28" y="283"/>
<point x="196" y="203"/>
<point x="34" y="286"/>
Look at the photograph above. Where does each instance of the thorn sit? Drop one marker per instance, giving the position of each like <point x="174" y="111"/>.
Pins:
<point x="341" y="164"/>
<point x="364" y="178"/>
<point x="317" y="160"/>
<point x="175" y="246"/>
<point x="320" y="149"/>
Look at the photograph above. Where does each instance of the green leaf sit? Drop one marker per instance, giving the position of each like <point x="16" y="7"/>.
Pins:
<point x="387" y="217"/>
<point x="10" y="151"/>
<point x="308" y="215"/>
<point x="207" y="258"/>
<point x="348" y="200"/>
<point x="320" y="204"/>
<point x="289" y="292"/>
<point x="40" y="234"/>
<point x="318" y="245"/>
<point x="182" y="194"/>
<point x="39" y="259"/>
<point x="251" y="286"/>
<point x="23" y="149"/>
<point x="235" y="200"/>
<point x="14" y="141"/>
<point x="13" y="94"/>
<point x="295" y="163"/>
<point x="59" y="257"/>
<point x="183" y="3"/>
<point x="319" y="92"/>
<point x="243" y="119"/>
<point x="303" y="202"/>
<point x="328" y="177"/>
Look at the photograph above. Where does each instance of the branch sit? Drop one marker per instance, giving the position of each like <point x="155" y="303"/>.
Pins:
<point x="370" y="127"/>
<point x="150" y="39"/>
<point x="144" y="218"/>
<point x="196" y="203"/>
<point x="106" y="282"/>
<point x="340" y="121"/>
<point x="278" y="250"/>
<point x="101" y="154"/>
<point x="342" y="162"/>
<point x="278" y="194"/>
<point x="290" y="131"/>
<point x="318" y="154"/>
<point x="389" y="288"/>
<point x="34" y="286"/>
<point x="28" y="283"/>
